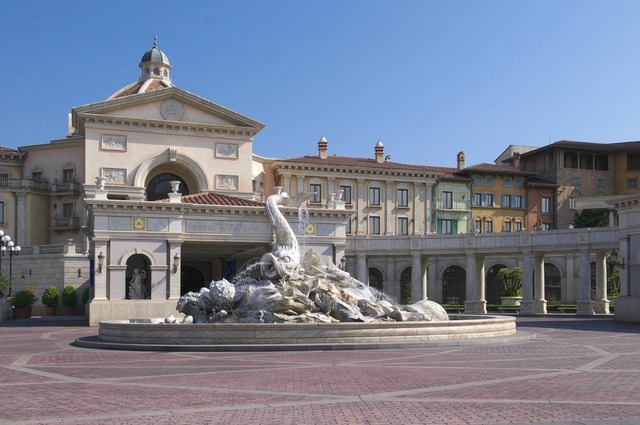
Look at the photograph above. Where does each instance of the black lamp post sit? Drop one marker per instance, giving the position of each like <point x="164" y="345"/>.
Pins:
<point x="13" y="250"/>
<point x="4" y="241"/>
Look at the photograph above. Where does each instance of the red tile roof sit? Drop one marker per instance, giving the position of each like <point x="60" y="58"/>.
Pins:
<point x="3" y="149"/>
<point x="590" y="146"/>
<point x="347" y="161"/>
<point x="134" y="88"/>
<point x="498" y="169"/>
<point x="212" y="198"/>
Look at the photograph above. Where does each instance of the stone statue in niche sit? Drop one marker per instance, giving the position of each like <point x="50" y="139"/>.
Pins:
<point x="137" y="288"/>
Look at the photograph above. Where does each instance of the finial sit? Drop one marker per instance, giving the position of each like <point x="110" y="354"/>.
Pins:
<point x="155" y="41"/>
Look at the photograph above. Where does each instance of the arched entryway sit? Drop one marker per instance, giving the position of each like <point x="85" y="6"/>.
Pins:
<point x="160" y="186"/>
<point x="454" y="285"/>
<point x="493" y="286"/>
<point x="138" y="278"/>
<point x="552" y="284"/>
<point x="375" y="279"/>
<point x="191" y="279"/>
<point x="405" y="286"/>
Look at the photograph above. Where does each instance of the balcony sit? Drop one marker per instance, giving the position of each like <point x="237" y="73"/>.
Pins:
<point x="66" y="188"/>
<point x="36" y="186"/>
<point x="65" y="223"/>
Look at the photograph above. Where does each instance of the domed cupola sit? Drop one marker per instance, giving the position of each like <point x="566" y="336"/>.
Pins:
<point x="155" y="64"/>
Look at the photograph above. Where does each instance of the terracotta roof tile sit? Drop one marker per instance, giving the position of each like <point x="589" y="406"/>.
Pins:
<point x="3" y="149"/>
<point x="357" y="162"/>
<point x="212" y="198"/>
<point x="591" y="146"/>
<point x="492" y="168"/>
<point x="134" y="88"/>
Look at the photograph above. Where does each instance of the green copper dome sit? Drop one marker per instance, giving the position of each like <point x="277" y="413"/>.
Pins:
<point x="155" y="55"/>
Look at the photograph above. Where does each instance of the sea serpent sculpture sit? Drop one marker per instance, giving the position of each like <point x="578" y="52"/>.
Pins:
<point x="285" y="286"/>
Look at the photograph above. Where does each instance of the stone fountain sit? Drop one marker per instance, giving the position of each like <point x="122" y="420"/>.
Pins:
<point x="294" y="300"/>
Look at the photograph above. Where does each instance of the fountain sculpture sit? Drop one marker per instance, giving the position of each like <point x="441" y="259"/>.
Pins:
<point x="286" y="286"/>
<point x="287" y="301"/>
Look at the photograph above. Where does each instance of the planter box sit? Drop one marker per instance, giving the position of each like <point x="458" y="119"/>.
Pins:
<point x="22" y="313"/>
<point x="510" y="301"/>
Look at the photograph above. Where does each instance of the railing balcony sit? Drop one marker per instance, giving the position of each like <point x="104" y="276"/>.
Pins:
<point x="65" y="223"/>
<point x="66" y="188"/>
<point x="12" y="183"/>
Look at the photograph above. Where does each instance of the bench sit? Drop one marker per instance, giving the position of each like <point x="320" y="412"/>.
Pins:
<point x="509" y="309"/>
<point x="567" y="309"/>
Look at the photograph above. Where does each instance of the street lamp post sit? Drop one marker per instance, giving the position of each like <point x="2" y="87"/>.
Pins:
<point x="13" y="250"/>
<point x="4" y="241"/>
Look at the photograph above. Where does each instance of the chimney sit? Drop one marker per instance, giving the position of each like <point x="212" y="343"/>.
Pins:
<point x="379" y="152"/>
<point x="322" y="148"/>
<point x="460" y="160"/>
<point x="516" y="160"/>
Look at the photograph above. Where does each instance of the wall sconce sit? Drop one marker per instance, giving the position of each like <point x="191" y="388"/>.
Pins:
<point x="79" y="272"/>
<point x="176" y="259"/>
<point x="24" y="273"/>
<point x="614" y="259"/>
<point x="100" y="262"/>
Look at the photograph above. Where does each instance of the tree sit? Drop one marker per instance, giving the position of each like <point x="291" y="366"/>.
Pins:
<point x="511" y="280"/>
<point x="596" y="217"/>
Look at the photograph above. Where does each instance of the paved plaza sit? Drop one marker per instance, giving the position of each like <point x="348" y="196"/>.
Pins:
<point x="574" y="371"/>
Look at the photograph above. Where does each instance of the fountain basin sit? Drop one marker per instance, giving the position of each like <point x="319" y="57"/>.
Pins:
<point x="143" y="334"/>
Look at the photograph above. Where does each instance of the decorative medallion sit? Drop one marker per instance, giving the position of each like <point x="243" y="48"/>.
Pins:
<point x="172" y="109"/>
<point x="138" y="223"/>
<point x="310" y="229"/>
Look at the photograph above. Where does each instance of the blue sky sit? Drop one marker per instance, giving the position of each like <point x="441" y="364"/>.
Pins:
<point x="428" y="78"/>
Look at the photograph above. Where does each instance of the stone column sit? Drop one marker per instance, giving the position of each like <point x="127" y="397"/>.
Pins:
<point x="361" y="208"/>
<point x="475" y="303"/>
<point x="363" y="272"/>
<point x="570" y="278"/>
<point x="301" y="184"/>
<point x="418" y="209"/>
<point x="331" y="183"/>
<point x="427" y="206"/>
<point x="21" y="218"/>
<point x="540" y="301"/>
<point x="601" y="304"/>
<point x="527" y="305"/>
<point x="418" y="282"/>
<point x="584" y="303"/>
<point x="388" y="210"/>
<point x="287" y="183"/>
<point x="390" y="287"/>
<point x="612" y="220"/>
<point x="433" y="291"/>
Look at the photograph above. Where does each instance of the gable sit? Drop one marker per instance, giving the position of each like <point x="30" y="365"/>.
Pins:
<point x="171" y="105"/>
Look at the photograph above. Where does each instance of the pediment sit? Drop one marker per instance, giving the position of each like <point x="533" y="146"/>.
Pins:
<point x="168" y="105"/>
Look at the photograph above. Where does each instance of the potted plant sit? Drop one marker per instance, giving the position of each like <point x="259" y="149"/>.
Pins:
<point x="69" y="300"/>
<point x="511" y="285"/>
<point x="22" y="302"/>
<point x="50" y="300"/>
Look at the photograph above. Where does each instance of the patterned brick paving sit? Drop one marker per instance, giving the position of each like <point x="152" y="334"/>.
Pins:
<point x="576" y="370"/>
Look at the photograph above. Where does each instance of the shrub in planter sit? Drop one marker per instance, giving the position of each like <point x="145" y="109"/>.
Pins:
<point x="511" y="280"/>
<point x="22" y="304"/>
<point x="50" y="299"/>
<point x="69" y="299"/>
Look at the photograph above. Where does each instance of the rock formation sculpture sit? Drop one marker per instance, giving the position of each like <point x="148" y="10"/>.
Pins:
<point x="285" y="286"/>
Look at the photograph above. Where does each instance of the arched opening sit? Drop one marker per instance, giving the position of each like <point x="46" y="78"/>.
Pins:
<point x="160" y="185"/>
<point x="552" y="284"/>
<point x="375" y="279"/>
<point x="405" y="286"/>
<point x="191" y="279"/>
<point x="493" y="286"/>
<point x="454" y="285"/>
<point x="138" y="278"/>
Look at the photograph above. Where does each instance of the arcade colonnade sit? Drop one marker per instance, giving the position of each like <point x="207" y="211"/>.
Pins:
<point x="570" y="251"/>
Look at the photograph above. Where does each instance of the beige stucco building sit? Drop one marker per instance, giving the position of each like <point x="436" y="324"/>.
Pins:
<point x="158" y="182"/>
